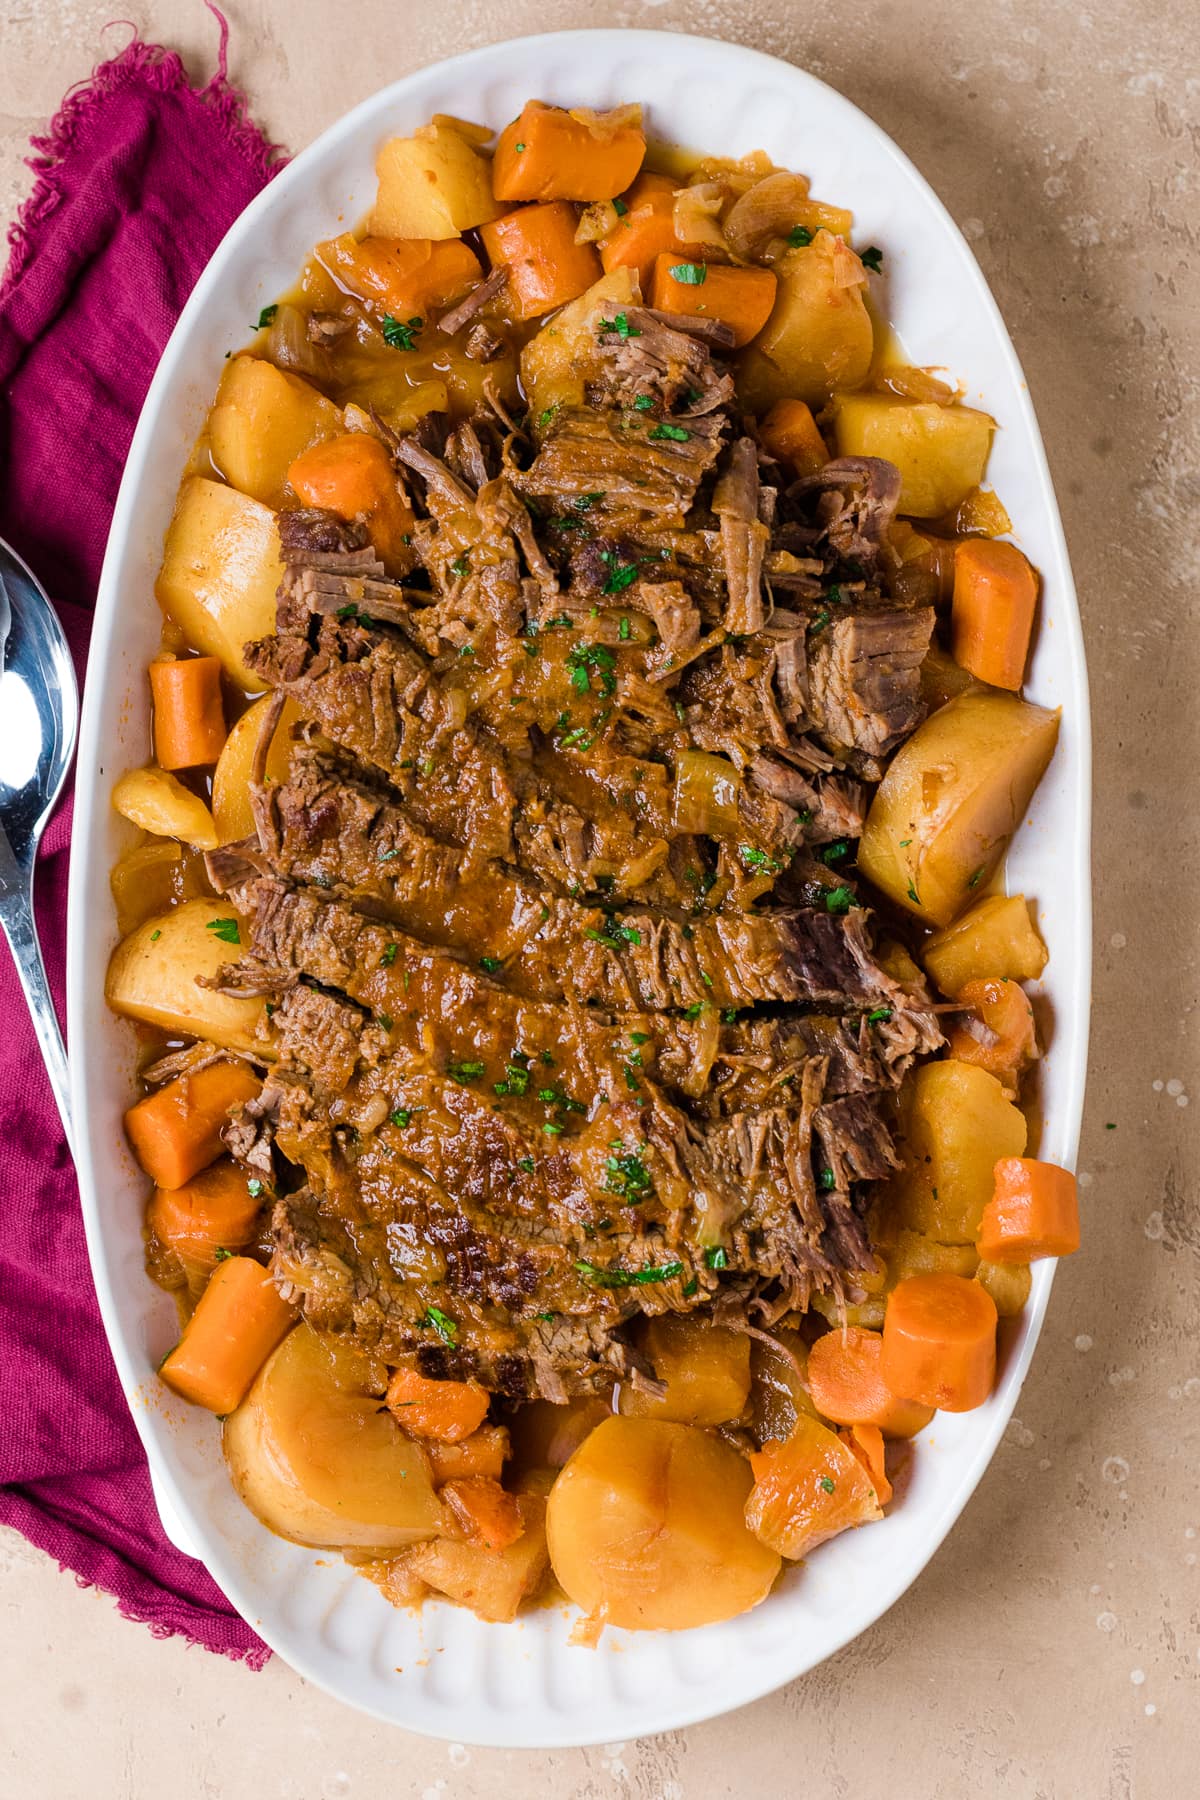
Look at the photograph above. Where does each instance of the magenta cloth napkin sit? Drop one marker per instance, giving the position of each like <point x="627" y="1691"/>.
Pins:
<point x="138" y="180"/>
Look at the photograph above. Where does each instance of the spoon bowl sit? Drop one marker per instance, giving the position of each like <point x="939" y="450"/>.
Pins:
<point x="39" y="723"/>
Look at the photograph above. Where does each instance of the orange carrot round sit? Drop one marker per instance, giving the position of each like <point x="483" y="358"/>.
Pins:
<point x="1034" y="1212"/>
<point x="401" y="276"/>
<point x="546" y="267"/>
<point x="176" y="1132"/>
<point x="450" y="1410"/>
<point x="352" y="476"/>
<point x="239" y="1319"/>
<point x="547" y="154"/>
<point x="213" y="1211"/>
<point x="741" y="298"/>
<point x="846" y="1385"/>
<point x="939" y="1342"/>
<point x="189" y="714"/>
<point x="991" y="613"/>
<point x="866" y="1443"/>
<point x="998" y="1032"/>
<point x="790" y="433"/>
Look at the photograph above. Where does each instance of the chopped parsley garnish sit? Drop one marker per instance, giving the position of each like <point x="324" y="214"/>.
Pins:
<point x="154" y="936"/>
<point x="621" y="574"/>
<point x="631" y="1080"/>
<point x="621" y="326"/>
<point x="225" y="929"/>
<point x="546" y="1056"/>
<point x="463" y="1072"/>
<point x="643" y="403"/>
<point x="799" y="237"/>
<point x="872" y="258"/>
<point x="254" y="1187"/>
<point x="913" y="895"/>
<point x="460" y="566"/>
<point x="676" y="433"/>
<point x="821" y="621"/>
<point x="265" y="317"/>
<point x="839" y="899"/>
<point x="716" y="1259"/>
<point x="582" y="502"/>
<point x="467" y="650"/>
<point x="525" y="1163"/>
<point x="826" y="1180"/>
<point x="976" y="878"/>
<point x="387" y="856"/>
<point x="694" y="1011"/>
<point x="518" y="148"/>
<point x="516" y="1076"/>
<point x="401" y="334"/>
<point x="219" y="1255"/>
<point x="389" y="956"/>
<point x="402" y="1116"/>
<point x="620" y="208"/>
<point x="626" y="1175"/>
<point x="689" y="274"/>
<point x="551" y="1129"/>
<point x="835" y="596"/>
<point x="614" y="934"/>
<point x="434" y="1319"/>
<point x="690" y="1287"/>
<point x="584" y="660"/>
<point x="880" y="1016"/>
<point x="613" y="1277"/>
<point x="386" y="1020"/>
<point x="758" y="859"/>
<point x="729" y="1015"/>
<point x="835" y="852"/>
<point x="828" y="1483"/>
<point x="545" y="416"/>
<point x="623" y="630"/>
<point x="489" y="963"/>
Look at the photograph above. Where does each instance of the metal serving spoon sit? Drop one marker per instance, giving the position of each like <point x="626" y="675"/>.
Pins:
<point x="39" y="721"/>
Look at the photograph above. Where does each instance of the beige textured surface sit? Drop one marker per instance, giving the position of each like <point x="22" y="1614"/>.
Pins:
<point x="1053" y="1647"/>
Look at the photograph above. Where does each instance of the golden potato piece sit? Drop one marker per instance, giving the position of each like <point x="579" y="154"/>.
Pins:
<point x="231" y="777"/>
<point x="555" y="363"/>
<point x="1008" y="1284"/>
<point x="957" y="1125"/>
<point x="220" y="570"/>
<point x="646" y="1528"/>
<point x="995" y="940"/>
<point x="493" y="1583"/>
<point x="321" y="1461"/>
<point x="432" y="185"/>
<point x="819" y="336"/>
<point x="954" y="794"/>
<point x="706" y="1369"/>
<point x="261" y="421"/>
<point x="159" y="803"/>
<point x="154" y="976"/>
<point x="940" y="451"/>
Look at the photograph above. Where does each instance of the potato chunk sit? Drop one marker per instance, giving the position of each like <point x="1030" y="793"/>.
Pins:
<point x="220" y="570"/>
<point x="647" y="1530"/>
<point x="261" y="421"/>
<point x="940" y="451"/>
<point x="157" y="802"/>
<point x="819" y="336"/>
<point x="432" y="185"/>
<point x="154" y="976"/>
<point x="995" y="940"/>
<point x="231" y="777"/>
<point x="706" y="1369"/>
<point x="958" y="1124"/>
<point x="955" y="792"/>
<point x="554" y="364"/>
<point x="493" y="1583"/>
<point x="319" y="1461"/>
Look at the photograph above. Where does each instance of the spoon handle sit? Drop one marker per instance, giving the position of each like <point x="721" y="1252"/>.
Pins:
<point x="16" y="916"/>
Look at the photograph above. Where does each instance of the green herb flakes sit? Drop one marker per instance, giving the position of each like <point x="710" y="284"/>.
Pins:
<point x="799" y="237"/>
<point x="613" y="1277"/>
<point x="401" y="1117"/>
<point x="464" y="1072"/>
<point x="434" y="1319"/>
<point x="676" y="433"/>
<point x="626" y="1174"/>
<point x="265" y="317"/>
<point x="839" y="899"/>
<point x="872" y="258"/>
<point x="689" y="274"/>
<point x="717" y="1259"/>
<point x="621" y="326"/>
<point x="225" y="929"/>
<point x="401" y="334"/>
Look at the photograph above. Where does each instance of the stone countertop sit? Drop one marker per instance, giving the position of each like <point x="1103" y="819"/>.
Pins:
<point x="1052" y="1648"/>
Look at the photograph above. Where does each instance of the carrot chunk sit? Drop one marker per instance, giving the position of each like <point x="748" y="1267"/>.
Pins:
<point x="352" y="476"/>
<point x="646" y="231"/>
<point x="213" y="1211"/>
<point x="549" y="154"/>
<point x="846" y="1385"/>
<point x="450" y="1410"/>
<point x="807" y="1489"/>
<point x="996" y="1032"/>
<point x="866" y="1443"/>
<point x="401" y="276"/>
<point x="484" y="1452"/>
<point x="790" y="433"/>
<point x="991" y="613"/>
<point x="176" y="1132"/>
<point x="739" y="298"/>
<point x="238" y="1321"/>
<point x="1034" y="1212"/>
<point x="189" y="714"/>
<point x="939" y="1342"/>
<point x="546" y="267"/>
<point x="489" y="1517"/>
